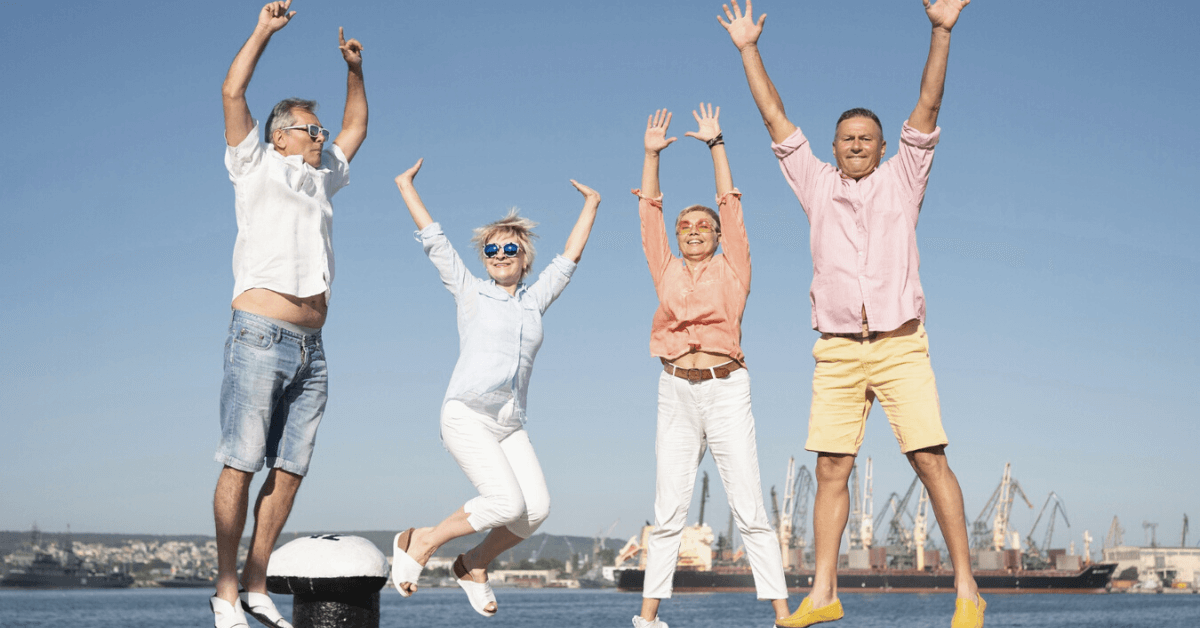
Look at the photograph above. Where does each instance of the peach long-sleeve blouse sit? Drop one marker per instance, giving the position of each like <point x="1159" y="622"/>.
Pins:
<point x="699" y="309"/>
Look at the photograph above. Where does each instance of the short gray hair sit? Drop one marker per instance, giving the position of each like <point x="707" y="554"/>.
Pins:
<point x="511" y="225"/>
<point x="716" y="218"/>
<point x="281" y="116"/>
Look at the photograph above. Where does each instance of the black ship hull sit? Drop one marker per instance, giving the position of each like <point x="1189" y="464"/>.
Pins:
<point x="1092" y="579"/>
<point x="67" y="581"/>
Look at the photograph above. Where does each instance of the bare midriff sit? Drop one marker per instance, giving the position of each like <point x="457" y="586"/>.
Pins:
<point x="700" y="360"/>
<point x="302" y="311"/>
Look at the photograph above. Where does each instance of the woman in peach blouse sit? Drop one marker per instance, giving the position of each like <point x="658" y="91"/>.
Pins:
<point x="704" y="390"/>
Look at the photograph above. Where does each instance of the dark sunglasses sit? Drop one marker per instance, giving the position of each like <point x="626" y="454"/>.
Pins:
<point x="313" y="130"/>
<point x="510" y="249"/>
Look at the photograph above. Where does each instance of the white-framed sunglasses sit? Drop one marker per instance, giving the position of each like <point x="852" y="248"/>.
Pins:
<point x="313" y="130"/>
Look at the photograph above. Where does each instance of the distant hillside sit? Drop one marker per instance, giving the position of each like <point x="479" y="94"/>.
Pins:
<point x="545" y="545"/>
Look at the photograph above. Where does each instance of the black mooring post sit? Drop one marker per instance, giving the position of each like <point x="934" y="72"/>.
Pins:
<point x="334" y="580"/>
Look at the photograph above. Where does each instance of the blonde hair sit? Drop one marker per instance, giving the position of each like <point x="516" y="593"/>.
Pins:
<point x="514" y="226"/>
<point x="699" y="208"/>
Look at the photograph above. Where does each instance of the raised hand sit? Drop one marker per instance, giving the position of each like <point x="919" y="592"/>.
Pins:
<point x="656" y="131"/>
<point x="405" y="179"/>
<point x="275" y="16"/>
<point x="709" y="126"/>
<point x="588" y="193"/>
<point x="351" y="50"/>
<point x="743" y="30"/>
<point x="945" y="13"/>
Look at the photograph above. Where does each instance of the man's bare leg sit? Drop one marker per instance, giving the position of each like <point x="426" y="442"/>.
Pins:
<point x="271" y="511"/>
<point x="229" y="513"/>
<point x="831" y="509"/>
<point x="946" y="496"/>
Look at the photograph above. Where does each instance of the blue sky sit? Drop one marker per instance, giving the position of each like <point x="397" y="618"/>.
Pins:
<point x="1057" y="241"/>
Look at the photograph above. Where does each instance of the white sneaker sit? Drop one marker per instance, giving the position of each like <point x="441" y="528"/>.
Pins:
<point x="638" y="622"/>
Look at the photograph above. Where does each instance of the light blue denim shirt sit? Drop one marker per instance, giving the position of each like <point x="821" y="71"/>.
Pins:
<point x="498" y="334"/>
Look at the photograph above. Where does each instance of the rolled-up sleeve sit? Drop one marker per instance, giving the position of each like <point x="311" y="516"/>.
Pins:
<point x="445" y="259"/>
<point x="339" y="169"/>
<point x="552" y="281"/>
<point x="914" y="162"/>
<point x="805" y="174"/>
<point x="243" y="157"/>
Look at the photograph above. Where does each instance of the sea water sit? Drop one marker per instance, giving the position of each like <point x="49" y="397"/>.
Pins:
<point x="606" y="608"/>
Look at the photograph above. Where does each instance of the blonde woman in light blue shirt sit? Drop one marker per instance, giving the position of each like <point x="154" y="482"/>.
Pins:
<point x="483" y="413"/>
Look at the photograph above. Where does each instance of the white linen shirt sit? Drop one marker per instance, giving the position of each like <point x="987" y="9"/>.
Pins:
<point x="498" y="334"/>
<point x="284" y="217"/>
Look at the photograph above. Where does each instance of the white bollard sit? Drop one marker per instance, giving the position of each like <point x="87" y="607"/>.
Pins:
<point x="334" y="580"/>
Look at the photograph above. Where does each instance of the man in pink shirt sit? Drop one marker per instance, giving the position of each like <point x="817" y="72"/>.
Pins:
<point x="868" y="305"/>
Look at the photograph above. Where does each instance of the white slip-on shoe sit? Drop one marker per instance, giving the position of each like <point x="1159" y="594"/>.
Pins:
<point x="639" y="622"/>
<point x="260" y="607"/>
<point x="479" y="594"/>
<point x="404" y="568"/>
<point x="226" y="615"/>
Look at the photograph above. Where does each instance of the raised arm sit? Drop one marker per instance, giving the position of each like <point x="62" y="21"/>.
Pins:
<point x="354" y="119"/>
<point x="420" y="215"/>
<point x="655" y="141"/>
<point x="942" y="16"/>
<point x="710" y="133"/>
<point x="238" y="121"/>
<point x="744" y="32"/>
<point x="583" y="227"/>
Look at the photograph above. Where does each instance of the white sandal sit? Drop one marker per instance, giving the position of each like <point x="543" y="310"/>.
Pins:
<point x="226" y="615"/>
<point x="479" y="594"/>
<point x="260" y="607"/>
<point x="404" y="568"/>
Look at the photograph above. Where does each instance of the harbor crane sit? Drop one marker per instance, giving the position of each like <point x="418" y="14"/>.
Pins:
<point x="1152" y="528"/>
<point x="1035" y="556"/>
<point x="792" y="522"/>
<point x="900" y="538"/>
<point x="867" y="528"/>
<point x="1116" y="534"/>
<point x="920" y="528"/>
<point x="998" y="508"/>
<point x="784" y="523"/>
<point x="854" y="525"/>
<point x="598" y="543"/>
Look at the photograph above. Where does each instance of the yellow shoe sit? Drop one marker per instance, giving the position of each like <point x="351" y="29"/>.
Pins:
<point x="806" y="615"/>
<point x="968" y="614"/>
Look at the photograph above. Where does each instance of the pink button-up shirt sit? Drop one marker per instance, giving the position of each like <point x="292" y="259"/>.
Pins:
<point x="699" y="309"/>
<point x="863" y="233"/>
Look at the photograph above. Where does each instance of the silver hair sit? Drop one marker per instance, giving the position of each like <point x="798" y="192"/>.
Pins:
<point x="512" y="225"/>
<point x="281" y="116"/>
<point x="716" y="218"/>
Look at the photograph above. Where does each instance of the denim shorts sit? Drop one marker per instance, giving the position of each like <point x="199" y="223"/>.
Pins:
<point x="272" y="397"/>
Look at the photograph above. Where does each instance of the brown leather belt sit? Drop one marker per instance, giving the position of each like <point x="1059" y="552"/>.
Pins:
<point x="858" y="335"/>
<point x="697" y="375"/>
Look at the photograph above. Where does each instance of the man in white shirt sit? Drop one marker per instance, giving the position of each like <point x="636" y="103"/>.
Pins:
<point x="274" y="389"/>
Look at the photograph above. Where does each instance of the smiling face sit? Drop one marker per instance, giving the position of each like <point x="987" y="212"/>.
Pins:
<point x="506" y="271"/>
<point x="858" y="146"/>
<point x="298" y="141"/>
<point x="696" y="232"/>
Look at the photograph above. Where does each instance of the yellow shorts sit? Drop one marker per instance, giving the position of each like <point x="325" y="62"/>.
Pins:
<point x="850" y="373"/>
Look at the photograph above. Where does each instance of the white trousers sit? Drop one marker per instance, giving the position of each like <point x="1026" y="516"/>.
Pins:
<point x="500" y="461"/>
<point x="715" y="414"/>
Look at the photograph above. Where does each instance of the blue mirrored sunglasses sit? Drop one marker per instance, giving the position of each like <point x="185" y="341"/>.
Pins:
<point x="313" y="130"/>
<point x="510" y="249"/>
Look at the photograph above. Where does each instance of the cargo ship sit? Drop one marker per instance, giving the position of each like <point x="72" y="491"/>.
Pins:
<point x="1093" y="578"/>
<point x="46" y="572"/>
